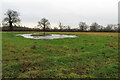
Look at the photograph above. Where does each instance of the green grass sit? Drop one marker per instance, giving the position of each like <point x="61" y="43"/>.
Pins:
<point x="86" y="56"/>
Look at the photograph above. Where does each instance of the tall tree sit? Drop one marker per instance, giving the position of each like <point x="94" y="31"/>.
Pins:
<point x="60" y="26"/>
<point x="94" y="27"/>
<point x="44" y="24"/>
<point x="55" y="29"/>
<point x="83" y="26"/>
<point x="109" y="27"/>
<point x="66" y="28"/>
<point x="12" y="17"/>
<point x="115" y="27"/>
<point x="101" y="28"/>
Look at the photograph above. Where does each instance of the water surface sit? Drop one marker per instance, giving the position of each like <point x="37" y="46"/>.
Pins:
<point x="52" y="36"/>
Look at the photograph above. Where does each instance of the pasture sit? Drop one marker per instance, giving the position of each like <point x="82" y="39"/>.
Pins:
<point x="89" y="55"/>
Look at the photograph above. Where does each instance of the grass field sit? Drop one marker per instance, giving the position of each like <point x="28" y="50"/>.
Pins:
<point x="90" y="55"/>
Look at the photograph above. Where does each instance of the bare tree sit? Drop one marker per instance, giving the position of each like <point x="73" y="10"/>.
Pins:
<point x="101" y="28"/>
<point x="83" y="26"/>
<point x="12" y="17"/>
<point x="115" y="27"/>
<point x="109" y="27"/>
<point x="60" y="26"/>
<point x="94" y="27"/>
<point x="68" y="27"/>
<point x="44" y="24"/>
<point x="56" y="29"/>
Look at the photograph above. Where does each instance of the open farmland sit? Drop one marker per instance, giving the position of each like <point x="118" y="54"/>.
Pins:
<point x="90" y="54"/>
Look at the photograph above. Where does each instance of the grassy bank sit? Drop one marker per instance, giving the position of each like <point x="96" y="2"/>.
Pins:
<point x="87" y="55"/>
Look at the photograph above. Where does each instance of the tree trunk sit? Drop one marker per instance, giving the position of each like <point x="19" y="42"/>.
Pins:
<point x="44" y="30"/>
<point x="10" y="26"/>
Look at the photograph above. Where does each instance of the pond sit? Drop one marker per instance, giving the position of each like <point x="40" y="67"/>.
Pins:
<point x="52" y="36"/>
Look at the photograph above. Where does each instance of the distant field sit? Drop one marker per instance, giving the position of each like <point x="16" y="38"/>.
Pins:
<point x="90" y="55"/>
<point x="94" y="33"/>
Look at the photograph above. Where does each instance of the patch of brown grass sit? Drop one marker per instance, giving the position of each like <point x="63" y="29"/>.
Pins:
<point x="93" y="33"/>
<point x="75" y="50"/>
<point x="65" y="48"/>
<point x="113" y="44"/>
<point x="12" y="59"/>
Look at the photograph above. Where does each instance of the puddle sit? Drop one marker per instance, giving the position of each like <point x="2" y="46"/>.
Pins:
<point x="52" y="36"/>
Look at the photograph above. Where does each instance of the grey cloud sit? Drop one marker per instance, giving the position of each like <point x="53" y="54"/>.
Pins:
<point x="69" y="12"/>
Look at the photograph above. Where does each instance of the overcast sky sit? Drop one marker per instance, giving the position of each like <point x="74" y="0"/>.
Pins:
<point x="68" y="12"/>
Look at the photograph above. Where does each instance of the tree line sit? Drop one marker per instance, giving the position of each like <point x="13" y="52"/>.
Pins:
<point x="12" y="23"/>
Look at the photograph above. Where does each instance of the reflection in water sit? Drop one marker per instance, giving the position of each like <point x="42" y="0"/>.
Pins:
<point x="53" y="36"/>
